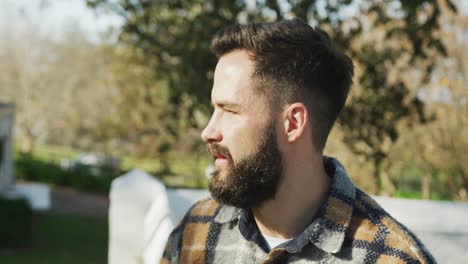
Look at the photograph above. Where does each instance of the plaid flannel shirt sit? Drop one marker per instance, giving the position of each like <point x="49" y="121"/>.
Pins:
<point x="350" y="227"/>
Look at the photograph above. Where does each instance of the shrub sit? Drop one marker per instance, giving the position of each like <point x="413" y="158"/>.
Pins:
<point x="15" y="222"/>
<point x="34" y="169"/>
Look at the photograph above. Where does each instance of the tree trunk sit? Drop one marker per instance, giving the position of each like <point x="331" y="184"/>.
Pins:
<point x="384" y="183"/>
<point x="426" y="186"/>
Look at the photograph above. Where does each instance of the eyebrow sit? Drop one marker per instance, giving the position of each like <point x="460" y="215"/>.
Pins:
<point x="226" y="104"/>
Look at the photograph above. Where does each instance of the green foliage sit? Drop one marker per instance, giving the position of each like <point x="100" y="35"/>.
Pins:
<point x="58" y="239"/>
<point x="187" y="171"/>
<point x="174" y="36"/>
<point x="15" y="222"/>
<point x="442" y="183"/>
<point x="419" y="195"/>
<point x="173" y="39"/>
<point x="31" y="168"/>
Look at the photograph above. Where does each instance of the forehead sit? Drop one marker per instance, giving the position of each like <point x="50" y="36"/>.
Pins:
<point x="232" y="78"/>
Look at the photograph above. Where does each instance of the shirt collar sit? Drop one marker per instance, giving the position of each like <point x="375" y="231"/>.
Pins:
<point x="327" y="230"/>
<point x="228" y="214"/>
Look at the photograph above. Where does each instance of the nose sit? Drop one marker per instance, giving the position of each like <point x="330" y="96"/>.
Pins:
<point x="211" y="134"/>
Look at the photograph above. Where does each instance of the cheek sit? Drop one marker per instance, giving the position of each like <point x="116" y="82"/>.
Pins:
<point x="243" y="139"/>
<point x="235" y="141"/>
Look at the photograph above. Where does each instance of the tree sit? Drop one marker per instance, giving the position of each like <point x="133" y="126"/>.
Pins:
<point x="173" y="38"/>
<point x="440" y="146"/>
<point x="60" y="88"/>
<point x="383" y="38"/>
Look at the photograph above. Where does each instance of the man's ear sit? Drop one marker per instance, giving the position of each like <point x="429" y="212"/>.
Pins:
<point x="295" y="121"/>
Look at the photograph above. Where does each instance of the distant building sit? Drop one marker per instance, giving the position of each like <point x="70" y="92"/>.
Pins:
<point x="6" y="146"/>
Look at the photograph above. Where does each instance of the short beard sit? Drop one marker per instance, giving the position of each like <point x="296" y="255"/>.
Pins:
<point x="252" y="180"/>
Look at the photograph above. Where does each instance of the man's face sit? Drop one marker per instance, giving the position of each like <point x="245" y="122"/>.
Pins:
<point x="241" y="137"/>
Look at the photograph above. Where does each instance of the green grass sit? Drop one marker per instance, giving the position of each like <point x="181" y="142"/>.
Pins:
<point x="54" y="153"/>
<point x="409" y="183"/>
<point x="63" y="239"/>
<point x="418" y="195"/>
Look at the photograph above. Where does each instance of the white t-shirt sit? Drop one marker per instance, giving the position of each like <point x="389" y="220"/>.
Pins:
<point x="275" y="241"/>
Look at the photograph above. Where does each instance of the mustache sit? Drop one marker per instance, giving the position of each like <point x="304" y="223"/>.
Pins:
<point x="216" y="149"/>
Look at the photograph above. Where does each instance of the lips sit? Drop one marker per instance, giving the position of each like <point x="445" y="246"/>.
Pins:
<point x="220" y="161"/>
<point x="220" y="154"/>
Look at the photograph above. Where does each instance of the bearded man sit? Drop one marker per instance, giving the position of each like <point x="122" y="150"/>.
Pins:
<point x="278" y="89"/>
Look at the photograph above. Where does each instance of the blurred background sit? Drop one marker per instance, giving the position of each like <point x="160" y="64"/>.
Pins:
<point x="100" y="87"/>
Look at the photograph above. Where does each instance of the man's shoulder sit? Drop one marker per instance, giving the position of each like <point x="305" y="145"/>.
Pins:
<point x="203" y="208"/>
<point x="192" y="230"/>
<point x="373" y="229"/>
<point x="201" y="212"/>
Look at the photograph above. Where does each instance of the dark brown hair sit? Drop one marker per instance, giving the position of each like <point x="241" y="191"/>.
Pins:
<point x="294" y="63"/>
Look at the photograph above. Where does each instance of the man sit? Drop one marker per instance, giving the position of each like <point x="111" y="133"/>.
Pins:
<point x="278" y="89"/>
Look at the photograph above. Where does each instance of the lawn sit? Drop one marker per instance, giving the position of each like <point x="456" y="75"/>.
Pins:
<point x="63" y="239"/>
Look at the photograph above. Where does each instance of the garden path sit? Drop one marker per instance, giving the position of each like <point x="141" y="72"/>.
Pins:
<point x="70" y="201"/>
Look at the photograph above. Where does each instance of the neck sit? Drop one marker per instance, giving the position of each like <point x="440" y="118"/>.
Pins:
<point x="300" y="194"/>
